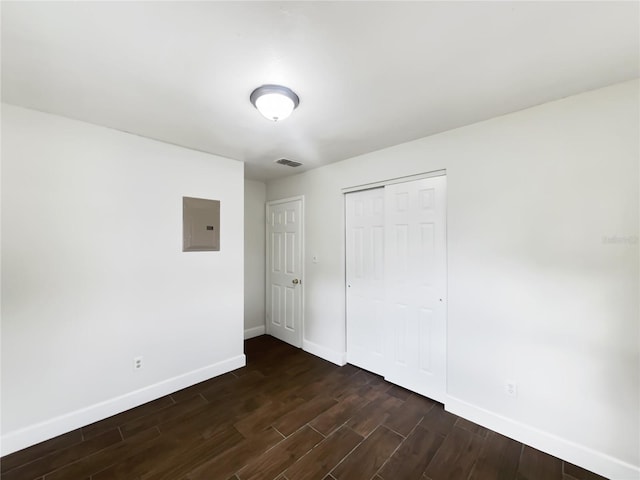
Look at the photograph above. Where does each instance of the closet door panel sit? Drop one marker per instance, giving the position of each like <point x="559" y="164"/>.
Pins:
<point x="365" y="279"/>
<point x="415" y="285"/>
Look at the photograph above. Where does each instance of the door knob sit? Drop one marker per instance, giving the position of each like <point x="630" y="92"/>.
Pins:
<point x="295" y="281"/>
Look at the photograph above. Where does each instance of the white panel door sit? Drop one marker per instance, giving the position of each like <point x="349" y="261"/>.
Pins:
<point x="284" y="270"/>
<point x="365" y="279"/>
<point x="415" y="285"/>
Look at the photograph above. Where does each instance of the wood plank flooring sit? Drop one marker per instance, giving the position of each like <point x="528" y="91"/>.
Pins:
<point x="287" y="415"/>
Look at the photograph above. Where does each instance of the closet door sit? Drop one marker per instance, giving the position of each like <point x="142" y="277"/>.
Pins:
<point x="365" y="279"/>
<point x="415" y="286"/>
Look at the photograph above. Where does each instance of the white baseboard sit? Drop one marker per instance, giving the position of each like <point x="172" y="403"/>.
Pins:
<point x="25" y="437"/>
<point x="254" y="332"/>
<point x="339" y="358"/>
<point x="577" y="454"/>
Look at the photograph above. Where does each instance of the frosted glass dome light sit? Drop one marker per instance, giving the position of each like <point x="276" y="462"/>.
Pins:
<point x="274" y="101"/>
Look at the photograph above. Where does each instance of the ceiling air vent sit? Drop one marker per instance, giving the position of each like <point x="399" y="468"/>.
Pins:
<point x="288" y="163"/>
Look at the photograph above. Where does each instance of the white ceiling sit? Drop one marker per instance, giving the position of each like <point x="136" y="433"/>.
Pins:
<point x="369" y="74"/>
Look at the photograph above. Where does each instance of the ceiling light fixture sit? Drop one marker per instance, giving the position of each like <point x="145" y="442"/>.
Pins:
<point x="275" y="102"/>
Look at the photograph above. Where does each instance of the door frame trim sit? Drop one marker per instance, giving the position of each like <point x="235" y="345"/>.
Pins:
<point x="267" y="244"/>
<point x="391" y="181"/>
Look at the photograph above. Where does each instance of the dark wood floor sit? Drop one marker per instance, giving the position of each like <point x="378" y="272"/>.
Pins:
<point x="288" y="416"/>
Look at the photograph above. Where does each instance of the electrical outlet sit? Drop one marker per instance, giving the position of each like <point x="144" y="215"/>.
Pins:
<point x="137" y="363"/>
<point x="511" y="388"/>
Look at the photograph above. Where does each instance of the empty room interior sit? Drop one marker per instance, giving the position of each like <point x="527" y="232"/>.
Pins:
<point x="332" y="240"/>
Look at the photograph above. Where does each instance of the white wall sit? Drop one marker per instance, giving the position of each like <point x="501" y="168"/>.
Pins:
<point x="93" y="273"/>
<point x="255" y="194"/>
<point x="536" y="294"/>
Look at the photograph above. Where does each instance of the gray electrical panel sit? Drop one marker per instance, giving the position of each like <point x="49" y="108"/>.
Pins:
<point x="200" y="225"/>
